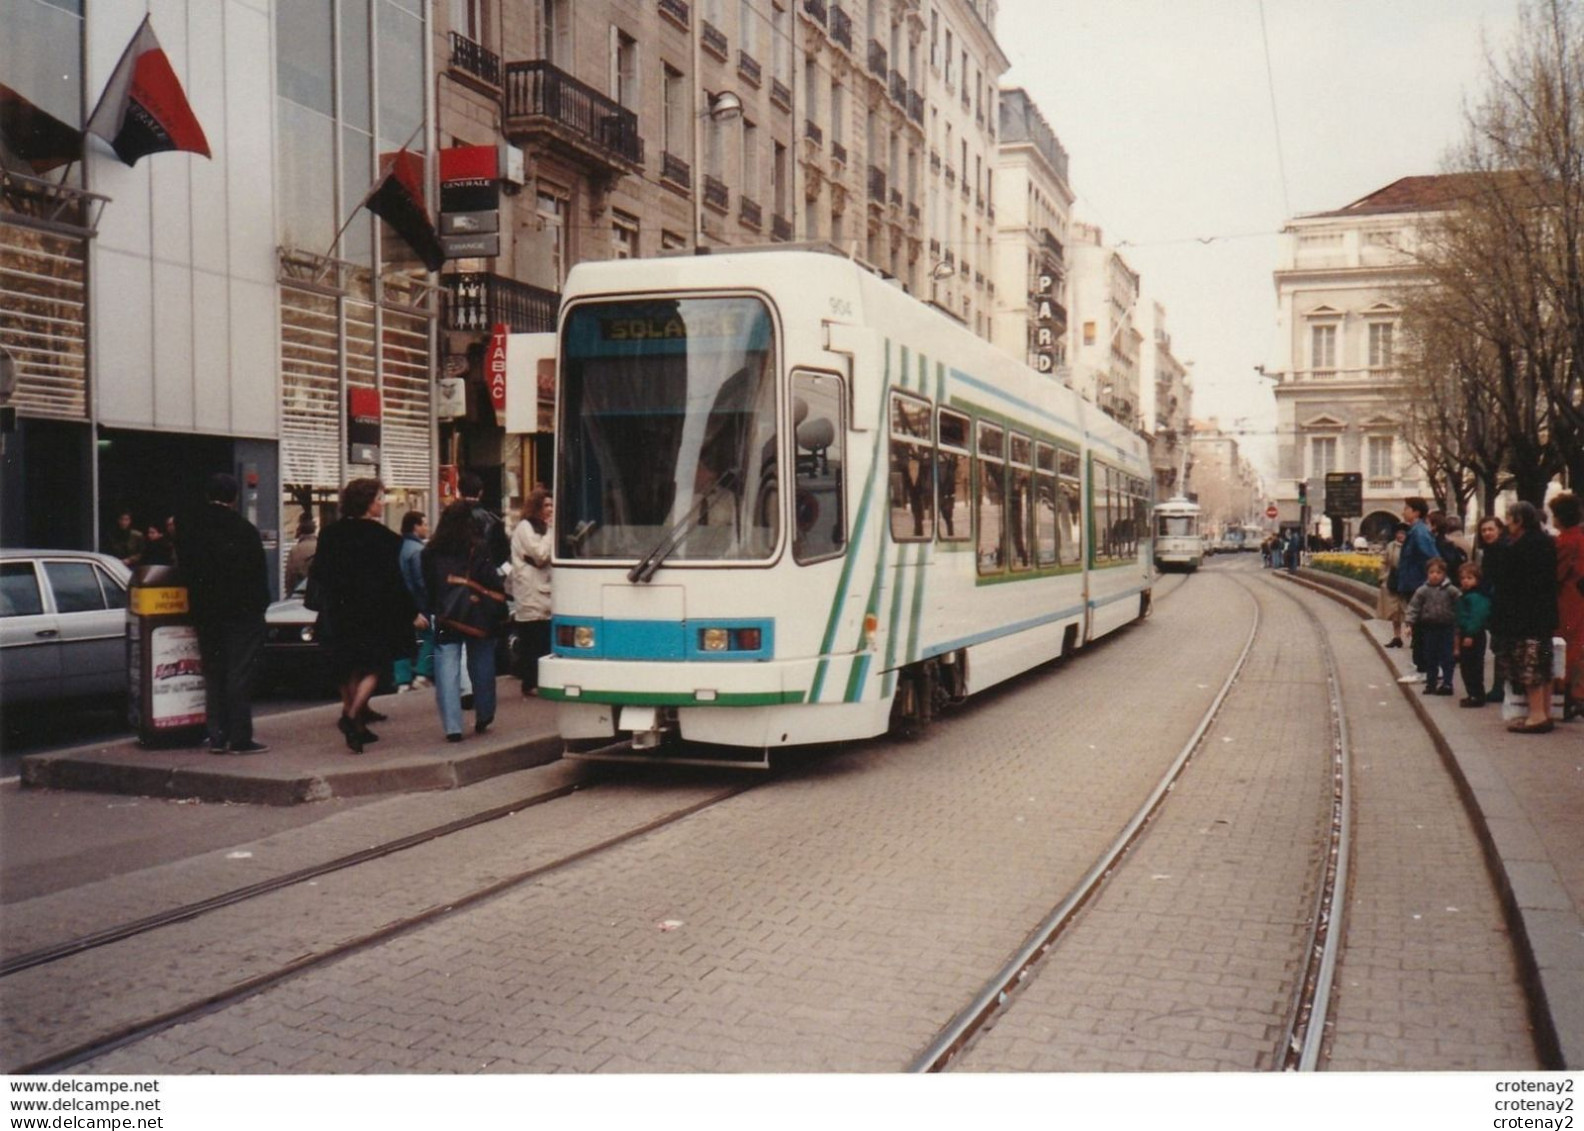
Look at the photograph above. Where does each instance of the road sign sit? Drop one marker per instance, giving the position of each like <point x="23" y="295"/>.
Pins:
<point x="1271" y="511"/>
<point x="1344" y="497"/>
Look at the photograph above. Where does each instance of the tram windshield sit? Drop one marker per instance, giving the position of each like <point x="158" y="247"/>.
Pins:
<point x="1176" y="525"/>
<point x="667" y="431"/>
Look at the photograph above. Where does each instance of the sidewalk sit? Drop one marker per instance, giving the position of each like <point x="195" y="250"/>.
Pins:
<point x="308" y="759"/>
<point x="1526" y="795"/>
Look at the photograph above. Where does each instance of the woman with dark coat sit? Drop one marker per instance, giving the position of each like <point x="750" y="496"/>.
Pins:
<point x="366" y="614"/>
<point x="1529" y="613"/>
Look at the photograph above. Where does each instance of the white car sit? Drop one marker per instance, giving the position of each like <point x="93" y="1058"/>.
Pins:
<point x="62" y="626"/>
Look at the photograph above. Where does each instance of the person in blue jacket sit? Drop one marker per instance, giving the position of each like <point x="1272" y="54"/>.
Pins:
<point x="1413" y="567"/>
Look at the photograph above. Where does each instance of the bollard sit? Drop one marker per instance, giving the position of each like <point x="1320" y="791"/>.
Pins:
<point x="165" y="681"/>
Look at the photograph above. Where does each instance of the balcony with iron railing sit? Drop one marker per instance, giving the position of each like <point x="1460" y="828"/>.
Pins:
<point x="472" y="59"/>
<point x="815" y="10"/>
<point x="915" y="106"/>
<point x="476" y="300"/>
<point x="1051" y="245"/>
<point x="838" y="152"/>
<point x="780" y="228"/>
<point x="896" y="198"/>
<point x="716" y="194"/>
<point x="675" y="170"/>
<point x="877" y="59"/>
<point x="780" y="93"/>
<point x="841" y="27"/>
<point x="898" y="89"/>
<point x="812" y="131"/>
<point x="749" y="212"/>
<point x="546" y="106"/>
<point x="877" y="184"/>
<point x="713" y="40"/>
<point x="677" y="11"/>
<point x="749" y="69"/>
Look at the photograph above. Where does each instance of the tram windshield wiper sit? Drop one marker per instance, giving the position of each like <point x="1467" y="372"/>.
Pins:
<point x="673" y="535"/>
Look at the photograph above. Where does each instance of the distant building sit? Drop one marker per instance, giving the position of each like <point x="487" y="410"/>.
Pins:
<point x="1105" y="338"/>
<point x="1339" y="396"/>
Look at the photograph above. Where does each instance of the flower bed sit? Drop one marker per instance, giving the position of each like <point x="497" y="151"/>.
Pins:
<point x="1358" y="567"/>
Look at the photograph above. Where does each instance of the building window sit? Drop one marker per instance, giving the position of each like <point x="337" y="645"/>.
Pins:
<point x="555" y="33"/>
<point x="1380" y="458"/>
<point x="1089" y="333"/>
<point x="1322" y="347"/>
<point x="467" y="19"/>
<point x="623" y="68"/>
<point x="676" y="138"/>
<point x="748" y="28"/>
<point x="1380" y="345"/>
<point x="624" y="236"/>
<point x="552" y="213"/>
<point x="750" y="159"/>
<point x="1322" y="455"/>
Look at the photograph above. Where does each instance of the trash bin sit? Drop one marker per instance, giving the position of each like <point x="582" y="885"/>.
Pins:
<point x="164" y="671"/>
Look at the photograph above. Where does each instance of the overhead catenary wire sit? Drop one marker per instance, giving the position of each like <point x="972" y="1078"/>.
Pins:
<point x="1270" y="85"/>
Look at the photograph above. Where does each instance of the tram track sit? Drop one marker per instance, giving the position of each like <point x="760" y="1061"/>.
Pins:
<point x="1300" y="1044"/>
<point x="70" y="1053"/>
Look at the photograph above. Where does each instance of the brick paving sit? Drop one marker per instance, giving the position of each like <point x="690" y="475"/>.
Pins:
<point x="1187" y="959"/>
<point x="831" y="922"/>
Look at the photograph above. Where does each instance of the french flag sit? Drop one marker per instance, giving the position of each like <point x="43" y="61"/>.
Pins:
<point x="143" y="109"/>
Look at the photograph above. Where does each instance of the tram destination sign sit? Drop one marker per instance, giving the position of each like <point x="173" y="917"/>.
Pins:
<point x="1344" y="494"/>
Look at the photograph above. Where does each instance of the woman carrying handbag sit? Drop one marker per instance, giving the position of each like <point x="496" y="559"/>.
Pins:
<point x="467" y="608"/>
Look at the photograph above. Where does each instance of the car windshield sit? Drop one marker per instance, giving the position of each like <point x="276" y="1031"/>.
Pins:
<point x="667" y="431"/>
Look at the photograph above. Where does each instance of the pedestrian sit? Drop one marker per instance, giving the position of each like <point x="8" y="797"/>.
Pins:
<point x="1412" y="564"/>
<point x="1529" y="581"/>
<point x="410" y="673"/>
<point x="1566" y="510"/>
<point x="223" y="567"/>
<point x="468" y="605"/>
<point x="492" y="531"/>
<point x="1390" y="604"/>
<point x="125" y="541"/>
<point x="1441" y="529"/>
<point x="1432" y="619"/>
<point x="157" y="548"/>
<point x="531" y="546"/>
<point x="302" y="554"/>
<point x="1491" y="546"/>
<point x="1473" y="615"/>
<point x="366" y="615"/>
<point x="1457" y="536"/>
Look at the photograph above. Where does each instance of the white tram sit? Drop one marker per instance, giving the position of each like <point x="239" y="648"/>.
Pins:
<point x="796" y="505"/>
<point x="1178" y="543"/>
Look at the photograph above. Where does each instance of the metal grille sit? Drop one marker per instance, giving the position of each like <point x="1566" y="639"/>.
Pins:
<point x="310" y="449"/>
<point x="42" y="320"/>
<point x="404" y="448"/>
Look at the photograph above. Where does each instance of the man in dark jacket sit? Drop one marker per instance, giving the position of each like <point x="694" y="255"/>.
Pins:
<point x="223" y="567"/>
<point x="1529" y="613"/>
<point x="1413" y="568"/>
<point x="491" y="530"/>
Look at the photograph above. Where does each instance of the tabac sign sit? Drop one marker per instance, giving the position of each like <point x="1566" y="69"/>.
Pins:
<point x="495" y="368"/>
<point x="1047" y="327"/>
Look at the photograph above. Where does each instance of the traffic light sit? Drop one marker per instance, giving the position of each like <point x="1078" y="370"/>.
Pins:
<point x="1303" y="493"/>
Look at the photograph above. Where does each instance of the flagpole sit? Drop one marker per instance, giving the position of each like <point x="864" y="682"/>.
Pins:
<point x="378" y="177"/>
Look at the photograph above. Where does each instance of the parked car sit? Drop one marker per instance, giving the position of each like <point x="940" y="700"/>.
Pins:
<point x="292" y="654"/>
<point x="62" y="626"/>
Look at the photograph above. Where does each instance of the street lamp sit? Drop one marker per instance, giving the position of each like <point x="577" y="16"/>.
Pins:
<point x="719" y="106"/>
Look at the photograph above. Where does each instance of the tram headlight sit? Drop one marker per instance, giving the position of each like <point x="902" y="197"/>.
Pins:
<point x="714" y="639"/>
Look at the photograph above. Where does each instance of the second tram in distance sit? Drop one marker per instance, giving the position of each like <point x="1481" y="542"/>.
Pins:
<point x="1179" y="543"/>
<point x="796" y="505"/>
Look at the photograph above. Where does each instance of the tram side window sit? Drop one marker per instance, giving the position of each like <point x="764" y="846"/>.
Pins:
<point x="1141" y="509"/>
<point x="912" y="480"/>
<point x="1020" y="501"/>
<point x="1069" y="513"/>
<point x="820" y="519"/>
<point x="1045" y="526"/>
<point x="1104" y="523"/>
<point x="953" y="476"/>
<point x="991" y="499"/>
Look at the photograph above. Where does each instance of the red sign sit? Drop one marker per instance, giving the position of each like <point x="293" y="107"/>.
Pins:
<point x="1270" y="511"/>
<point x="495" y="368"/>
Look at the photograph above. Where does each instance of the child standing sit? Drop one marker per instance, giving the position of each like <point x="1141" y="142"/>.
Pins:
<point x="1432" y="618"/>
<point x="1473" y="614"/>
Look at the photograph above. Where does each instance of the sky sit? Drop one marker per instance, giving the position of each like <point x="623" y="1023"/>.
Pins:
<point x="1182" y="155"/>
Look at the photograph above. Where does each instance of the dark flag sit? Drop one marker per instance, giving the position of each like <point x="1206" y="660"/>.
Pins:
<point x="143" y="109"/>
<point x="32" y="141"/>
<point x="398" y="199"/>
